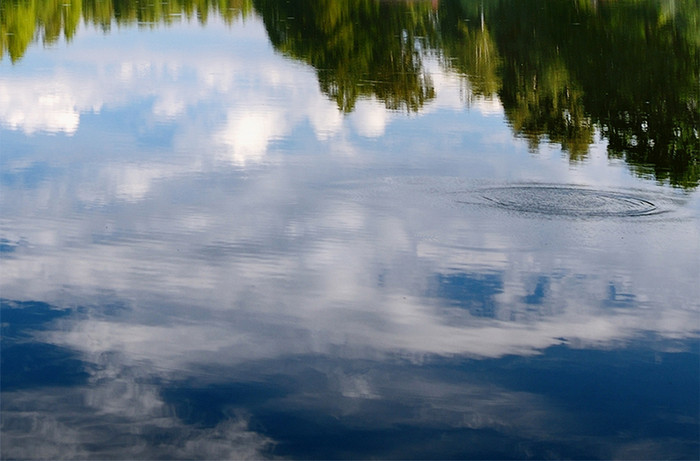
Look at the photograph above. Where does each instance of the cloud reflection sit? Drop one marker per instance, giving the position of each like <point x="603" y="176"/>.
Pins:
<point x="248" y="242"/>
<point x="33" y="106"/>
<point x="73" y="423"/>
<point x="235" y="260"/>
<point x="355" y="279"/>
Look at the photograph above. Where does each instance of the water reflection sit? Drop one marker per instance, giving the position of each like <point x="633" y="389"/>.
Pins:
<point x="360" y="49"/>
<point x="26" y="21"/>
<point x="629" y="69"/>
<point x="329" y="319"/>
<point x="215" y="251"/>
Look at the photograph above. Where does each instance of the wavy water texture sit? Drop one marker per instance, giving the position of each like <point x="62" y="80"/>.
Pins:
<point x="569" y="201"/>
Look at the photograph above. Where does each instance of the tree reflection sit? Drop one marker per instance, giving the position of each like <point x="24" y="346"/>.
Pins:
<point x="360" y="48"/>
<point x="630" y="69"/>
<point x="467" y="46"/>
<point x="23" y="21"/>
<point x="563" y="69"/>
<point x="644" y="95"/>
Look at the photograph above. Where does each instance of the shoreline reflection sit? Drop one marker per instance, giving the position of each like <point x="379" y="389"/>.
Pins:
<point x="537" y="65"/>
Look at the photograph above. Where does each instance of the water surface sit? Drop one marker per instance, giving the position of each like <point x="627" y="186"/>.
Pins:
<point x="464" y="230"/>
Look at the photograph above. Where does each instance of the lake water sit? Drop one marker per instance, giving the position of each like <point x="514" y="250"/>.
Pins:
<point x="348" y="229"/>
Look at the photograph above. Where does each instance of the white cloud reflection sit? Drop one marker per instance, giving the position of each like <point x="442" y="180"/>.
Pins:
<point x="247" y="135"/>
<point x="337" y="273"/>
<point x="33" y="106"/>
<point x="312" y="253"/>
<point x="116" y="418"/>
<point x="337" y="247"/>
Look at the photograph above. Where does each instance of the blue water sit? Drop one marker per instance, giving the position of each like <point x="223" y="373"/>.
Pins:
<point x="204" y="257"/>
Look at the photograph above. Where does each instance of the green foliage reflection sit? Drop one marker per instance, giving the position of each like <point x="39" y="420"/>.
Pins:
<point x="630" y="68"/>
<point x="564" y="70"/>
<point x="23" y="21"/>
<point x="360" y="48"/>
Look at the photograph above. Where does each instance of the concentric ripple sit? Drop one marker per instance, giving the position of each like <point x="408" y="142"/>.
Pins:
<point x="568" y="201"/>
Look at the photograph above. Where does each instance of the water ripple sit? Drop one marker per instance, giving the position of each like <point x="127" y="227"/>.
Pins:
<point x="571" y="201"/>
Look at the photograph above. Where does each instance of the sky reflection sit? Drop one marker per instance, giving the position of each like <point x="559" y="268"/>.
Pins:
<point x="203" y="257"/>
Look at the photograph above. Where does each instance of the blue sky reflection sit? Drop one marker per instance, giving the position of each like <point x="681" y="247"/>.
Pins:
<point x="230" y="265"/>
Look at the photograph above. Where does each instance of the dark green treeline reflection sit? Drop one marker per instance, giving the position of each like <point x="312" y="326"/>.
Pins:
<point x="25" y="21"/>
<point x="359" y="47"/>
<point x="561" y="68"/>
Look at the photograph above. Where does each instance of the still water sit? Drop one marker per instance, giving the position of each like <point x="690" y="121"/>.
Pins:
<point x="350" y="229"/>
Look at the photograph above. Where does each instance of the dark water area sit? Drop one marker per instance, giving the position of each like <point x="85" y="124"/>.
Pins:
<point x="328" y="229"/>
